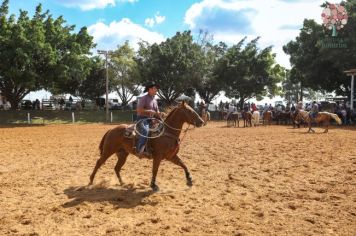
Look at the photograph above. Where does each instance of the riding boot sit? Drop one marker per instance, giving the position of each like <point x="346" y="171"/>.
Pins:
<point x="143" y="153"/>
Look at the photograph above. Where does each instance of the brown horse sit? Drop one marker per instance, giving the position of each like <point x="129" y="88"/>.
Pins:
<point x="296" y="120"/>
<point x="222" y="114"/>
<point x="282" y="116"/>
<point x="165" y="146"/>
<point x="247" y="117"/>
<point x="267" y="118"/>
<point x="233" y="119"/>
<point x="322" y="117"/>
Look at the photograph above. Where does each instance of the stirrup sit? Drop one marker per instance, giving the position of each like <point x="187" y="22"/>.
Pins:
<point x="144" y="154"/>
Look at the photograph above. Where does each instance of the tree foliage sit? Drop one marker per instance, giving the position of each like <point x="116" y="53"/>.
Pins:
<point x="249" y="72"/>
<point x="319" y="60"/>
<point x="94" y="86"/>
<point x="125" y="73"/>
<point x="40" y="52"/>
<point x="206" y="83"/>
<point x="171" y="64"/>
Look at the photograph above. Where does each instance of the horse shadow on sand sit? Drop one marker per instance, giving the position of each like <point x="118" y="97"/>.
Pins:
<point x="122" y="197"/>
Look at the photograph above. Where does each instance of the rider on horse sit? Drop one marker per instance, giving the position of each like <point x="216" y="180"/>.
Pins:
<point x="147" y="107"/>
<point x="314" y="110"/>
<point x="202" y="108"/>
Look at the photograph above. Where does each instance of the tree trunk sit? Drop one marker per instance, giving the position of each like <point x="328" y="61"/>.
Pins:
<point x="13" y="94"/>
<point x="14" y="101"/>
<point x="241" y="103"/>
<point x="301" y="92"/>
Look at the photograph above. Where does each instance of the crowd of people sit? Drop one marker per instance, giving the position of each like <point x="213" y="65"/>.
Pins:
<point x="342" y="109"/>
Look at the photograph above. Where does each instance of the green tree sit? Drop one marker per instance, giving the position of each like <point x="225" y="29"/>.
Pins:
<point x="94" y="86"/>
<point x="125" y="73"/>
<point x="206" y="83"/>
<point x="40" y="53"/>
<point x="249" y="72"/>
<point x="320" y="65"/>
<point x="170" y="63"/>
<point x="291" y="88"/>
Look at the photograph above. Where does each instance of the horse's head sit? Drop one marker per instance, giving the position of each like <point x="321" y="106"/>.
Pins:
<point x="188" y="115"/>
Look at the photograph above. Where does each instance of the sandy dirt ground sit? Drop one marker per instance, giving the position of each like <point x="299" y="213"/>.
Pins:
<point x="247" y="181"/>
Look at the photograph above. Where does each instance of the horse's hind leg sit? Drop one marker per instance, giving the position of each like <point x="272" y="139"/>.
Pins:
<point x="98" y="164"/>
<point x="156" y="163"/>
<point x="121" y="159"/>
<point x="326" y="123"/>
<point x="103" y="157"/>
<point x="176" y="160"/>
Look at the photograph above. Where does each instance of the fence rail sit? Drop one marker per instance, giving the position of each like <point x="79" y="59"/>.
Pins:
<point x="10" y="117"/>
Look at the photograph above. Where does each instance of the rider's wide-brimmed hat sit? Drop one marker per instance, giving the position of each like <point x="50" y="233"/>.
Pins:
<point x="149" y="85"/>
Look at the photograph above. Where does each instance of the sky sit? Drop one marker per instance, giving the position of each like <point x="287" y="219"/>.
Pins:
<point x="112" y="22"/>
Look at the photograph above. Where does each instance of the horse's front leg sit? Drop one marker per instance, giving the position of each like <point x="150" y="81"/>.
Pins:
<point x="176" y="160"/>
<point x="156" y="163"/>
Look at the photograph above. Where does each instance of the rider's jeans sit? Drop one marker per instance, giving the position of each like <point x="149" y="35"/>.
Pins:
<point x="143" y="129"/>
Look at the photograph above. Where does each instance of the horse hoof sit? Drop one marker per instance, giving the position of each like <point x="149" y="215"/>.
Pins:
<point x="189" y="182"/>
<point x="155" y="188"/>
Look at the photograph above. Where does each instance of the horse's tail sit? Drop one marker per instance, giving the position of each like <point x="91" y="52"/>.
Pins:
<point x="336" y="118"/>
<point x="102" y="142"/>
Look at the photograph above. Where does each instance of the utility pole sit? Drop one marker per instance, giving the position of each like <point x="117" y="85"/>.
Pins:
<point x="106" y="53"/>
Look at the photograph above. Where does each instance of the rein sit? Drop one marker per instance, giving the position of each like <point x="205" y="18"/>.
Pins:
<point x="184" y="132"/>
<point x="175" y="128"/>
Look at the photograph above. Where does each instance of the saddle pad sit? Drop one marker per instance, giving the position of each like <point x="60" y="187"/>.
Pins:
<point x="130" y="131"/>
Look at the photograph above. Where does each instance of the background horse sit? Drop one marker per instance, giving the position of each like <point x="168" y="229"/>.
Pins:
<point x="205" y="115"/>
<point x="267" y="118"/>
<point x="222" y="114"/>
<point x="233" y="119"/>
<point x="165" y="146"/>
<point x="322" y="117"/>
<point x="296" y="120"/>
<point x="283" y="116"/>
<point x="255" y="118"/>
<point x="247" y="116"/>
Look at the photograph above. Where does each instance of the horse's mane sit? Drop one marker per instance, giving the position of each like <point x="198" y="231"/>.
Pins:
<point x="169" y="110"/>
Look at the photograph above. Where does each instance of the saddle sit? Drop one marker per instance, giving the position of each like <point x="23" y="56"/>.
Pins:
<point x="130" y="131"/>
<point x="313" y="115"/>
